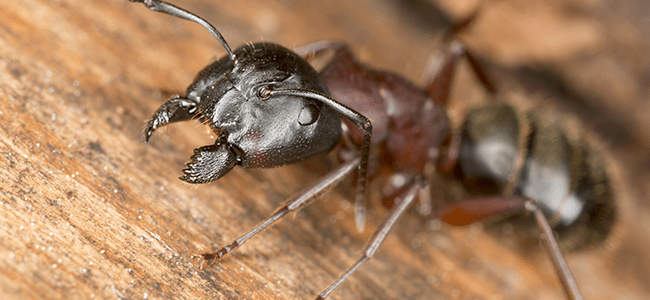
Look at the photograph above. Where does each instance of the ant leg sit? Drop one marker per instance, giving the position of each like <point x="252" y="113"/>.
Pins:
<point x="473" y="210"/>
<point x="305" y="197"/>
<point x="399" y="188"/>
<point x="476" y="209"/>
<point x="174" y="110"/>
<point x="461" y="26"/>
<point x="379" y="235"/>
<point x="450" y="159"/>
<point x="457" y="29"/>
<point x="551" y="245"/>
<point x="480" y="73"/>
<point x="441" y="69"/>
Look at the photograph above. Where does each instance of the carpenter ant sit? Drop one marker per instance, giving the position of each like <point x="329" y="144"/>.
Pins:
<point x="269" y="107"/>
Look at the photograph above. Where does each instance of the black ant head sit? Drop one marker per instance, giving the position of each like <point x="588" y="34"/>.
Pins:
<point x="244" y="102"/>
<point x="265" y="103"/>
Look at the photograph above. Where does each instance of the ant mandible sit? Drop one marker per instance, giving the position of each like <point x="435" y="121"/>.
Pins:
<point x="269" y="107"/>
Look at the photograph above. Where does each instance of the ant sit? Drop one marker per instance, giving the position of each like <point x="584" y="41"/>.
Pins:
<point x="269" y="107"/>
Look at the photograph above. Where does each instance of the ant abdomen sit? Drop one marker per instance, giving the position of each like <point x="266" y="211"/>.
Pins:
<point x="504" y="151"/>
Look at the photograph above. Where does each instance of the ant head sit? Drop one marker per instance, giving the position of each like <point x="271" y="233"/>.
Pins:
<point x="267" y="104"/>
<point x="249" y="102"/>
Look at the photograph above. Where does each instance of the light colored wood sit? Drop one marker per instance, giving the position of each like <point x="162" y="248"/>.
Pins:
<point x="88" y="211"/>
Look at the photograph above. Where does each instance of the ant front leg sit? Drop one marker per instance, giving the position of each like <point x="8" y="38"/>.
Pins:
<point x="299" y="201"/>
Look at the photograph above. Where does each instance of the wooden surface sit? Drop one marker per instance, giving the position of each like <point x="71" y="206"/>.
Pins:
<point x="88" y="211"/>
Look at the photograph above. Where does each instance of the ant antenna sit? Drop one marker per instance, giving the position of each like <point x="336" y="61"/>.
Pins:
<point x="164" y="7"/>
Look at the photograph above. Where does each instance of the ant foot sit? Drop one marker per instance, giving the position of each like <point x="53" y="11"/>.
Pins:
<point x="212" y="257"/>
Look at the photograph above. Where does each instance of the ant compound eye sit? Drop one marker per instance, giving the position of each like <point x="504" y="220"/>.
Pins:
<point x="264" y="92"/>
<point x="308" y="115"/>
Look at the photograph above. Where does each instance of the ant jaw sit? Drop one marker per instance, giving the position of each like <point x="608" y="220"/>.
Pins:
<point x="209" y="163"/>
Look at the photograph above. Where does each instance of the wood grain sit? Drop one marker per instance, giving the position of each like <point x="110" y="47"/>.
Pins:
<point x="88" y="211"/>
